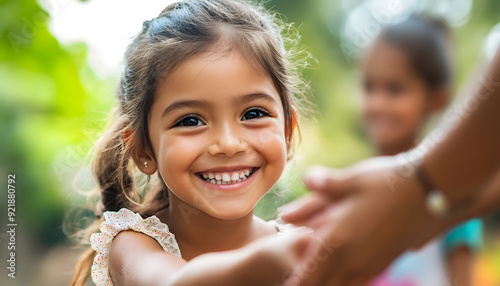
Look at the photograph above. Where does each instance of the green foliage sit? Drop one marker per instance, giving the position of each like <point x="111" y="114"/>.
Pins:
<point x="47" y="100"/>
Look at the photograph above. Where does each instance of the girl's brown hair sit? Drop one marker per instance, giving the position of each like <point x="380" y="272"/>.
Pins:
<point x="426" y="42"/>
<point x="182" y="30"/>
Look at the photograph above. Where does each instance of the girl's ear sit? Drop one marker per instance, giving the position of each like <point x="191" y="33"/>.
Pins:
<point x="142" y="157"/>
<point x="294" y="124"/>
<point x="439" y="99"/>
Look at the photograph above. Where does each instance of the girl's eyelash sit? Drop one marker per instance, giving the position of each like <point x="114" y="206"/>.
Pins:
<point x="178" y="121"/>
<point x="264" y="111"/>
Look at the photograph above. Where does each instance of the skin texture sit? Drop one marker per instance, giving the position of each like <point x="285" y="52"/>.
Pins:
<point x="396" y="105"/>
<point x="353" y="205"/>
<point x="227" y="114"/>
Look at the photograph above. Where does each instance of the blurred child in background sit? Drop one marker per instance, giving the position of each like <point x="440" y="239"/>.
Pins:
<point x="407" y="77"/>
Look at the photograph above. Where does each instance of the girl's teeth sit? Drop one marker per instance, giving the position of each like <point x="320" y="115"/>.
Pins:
<point x="226" y="178"/>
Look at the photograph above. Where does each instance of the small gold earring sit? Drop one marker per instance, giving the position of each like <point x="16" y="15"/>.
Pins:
<point x="145" y="164"/>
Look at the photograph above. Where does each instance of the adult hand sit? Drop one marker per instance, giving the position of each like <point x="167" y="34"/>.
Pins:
<point x="363" y="219"/>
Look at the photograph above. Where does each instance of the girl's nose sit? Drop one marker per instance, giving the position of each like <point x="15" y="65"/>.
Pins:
<point x="227" y="142"/>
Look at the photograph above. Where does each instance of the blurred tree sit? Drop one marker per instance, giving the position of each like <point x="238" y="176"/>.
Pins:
<point x="47" y="96"/>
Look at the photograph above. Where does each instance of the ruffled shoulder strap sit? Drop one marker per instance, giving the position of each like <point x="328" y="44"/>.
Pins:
<point x="125" y="219"/>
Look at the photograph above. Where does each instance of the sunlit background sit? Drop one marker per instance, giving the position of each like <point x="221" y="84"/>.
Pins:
<point x="60" y="62"/>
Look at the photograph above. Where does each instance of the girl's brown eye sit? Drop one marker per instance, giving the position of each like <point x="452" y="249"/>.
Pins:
<point x="189" y="121"/>
<point x="254" y="113"/>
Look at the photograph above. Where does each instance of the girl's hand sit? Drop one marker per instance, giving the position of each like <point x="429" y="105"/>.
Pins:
<point x="274" y="257"/>
<point x="266" y="261"/>
<point x="363" y="220"/>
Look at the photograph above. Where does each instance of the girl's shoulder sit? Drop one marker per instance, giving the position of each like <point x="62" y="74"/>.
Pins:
<point x="125" y="219"/>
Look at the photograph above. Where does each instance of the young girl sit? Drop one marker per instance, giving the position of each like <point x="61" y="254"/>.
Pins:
<point x="407" y="78"/>
<point x="207" y="109"/>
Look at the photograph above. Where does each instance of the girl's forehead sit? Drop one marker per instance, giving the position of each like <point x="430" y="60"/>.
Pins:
<point x="215" y="76"/>
<point x="212" y="67"/>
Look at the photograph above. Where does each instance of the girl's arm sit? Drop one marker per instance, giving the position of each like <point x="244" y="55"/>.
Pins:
<point x="137" y="259"/>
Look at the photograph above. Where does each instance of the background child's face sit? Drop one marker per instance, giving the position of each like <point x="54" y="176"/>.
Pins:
<point x="395" y="99"/>
<point x="217" y="116"/>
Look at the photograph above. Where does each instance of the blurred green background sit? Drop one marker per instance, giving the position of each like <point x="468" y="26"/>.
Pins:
<point x="54" y="103"/>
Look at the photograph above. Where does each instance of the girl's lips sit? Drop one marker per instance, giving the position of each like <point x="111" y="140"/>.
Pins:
<point x="231" y="186"/>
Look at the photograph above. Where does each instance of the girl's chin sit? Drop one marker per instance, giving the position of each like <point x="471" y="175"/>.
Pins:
<point x="230" y="213"/>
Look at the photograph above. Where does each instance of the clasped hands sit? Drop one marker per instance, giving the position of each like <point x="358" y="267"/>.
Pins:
<point x="362" y="221"/>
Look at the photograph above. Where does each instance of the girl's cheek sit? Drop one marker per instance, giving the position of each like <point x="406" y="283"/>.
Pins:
<point x="178" y="151"/>
<point x="271" y="143"/>
<point x="265" y="137"/>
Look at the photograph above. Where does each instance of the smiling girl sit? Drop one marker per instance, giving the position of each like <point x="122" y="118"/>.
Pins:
<point x="207" y="110"/>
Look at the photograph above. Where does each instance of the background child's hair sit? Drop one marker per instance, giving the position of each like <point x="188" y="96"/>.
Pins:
<point x="180" y="31"/>
<point x="426" y="42"/>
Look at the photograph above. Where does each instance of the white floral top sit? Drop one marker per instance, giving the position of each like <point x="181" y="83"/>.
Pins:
<point x="125" y="219"/>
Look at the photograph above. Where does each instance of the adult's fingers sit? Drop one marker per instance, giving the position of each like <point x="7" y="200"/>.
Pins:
<point x="301" y="210"/>
<point x="332" y="183"/>
<point x="316" y="267"/>
<point x="314" y="270"/>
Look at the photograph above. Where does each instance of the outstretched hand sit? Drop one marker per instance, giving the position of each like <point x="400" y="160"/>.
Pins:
<point x="363" y="220"/>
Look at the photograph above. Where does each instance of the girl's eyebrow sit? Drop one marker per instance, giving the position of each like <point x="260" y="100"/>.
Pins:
<point x="206" y="104"/>
<point x="185" y="103"/>
<point x="253" y="96"/>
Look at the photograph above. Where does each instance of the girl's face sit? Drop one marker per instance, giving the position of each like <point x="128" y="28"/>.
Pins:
<point x="395" y="99"/>
<point x="217" y="132"/>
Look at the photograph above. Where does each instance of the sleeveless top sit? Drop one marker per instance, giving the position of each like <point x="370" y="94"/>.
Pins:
<point x="125" y="219"/>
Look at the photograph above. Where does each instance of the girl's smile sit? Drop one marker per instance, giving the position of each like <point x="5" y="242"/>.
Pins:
<point x="228" y="178"/>
<point x="218" y="133"/>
